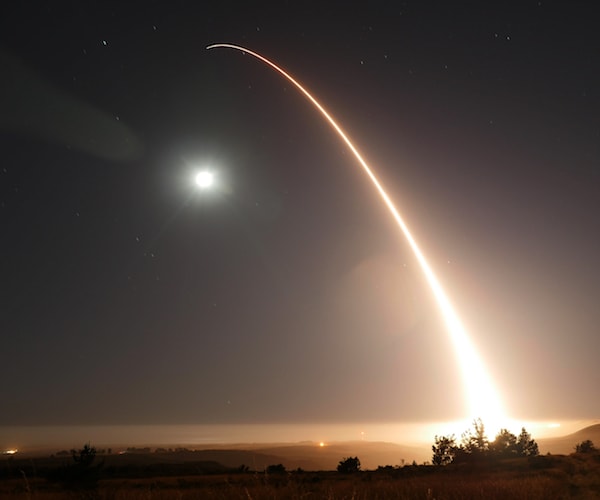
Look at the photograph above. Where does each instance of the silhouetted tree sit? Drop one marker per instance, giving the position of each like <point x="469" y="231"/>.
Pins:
<point x="586" y="446"/>
<point x="82" y="473"/>
<point x="474" y="441"/>
<point x="349" y="465"/>
<point x="526" y="446"/>
<point x="444" y="450"/>
<point x="505" y="444"/>
<point x="84" y="457"/>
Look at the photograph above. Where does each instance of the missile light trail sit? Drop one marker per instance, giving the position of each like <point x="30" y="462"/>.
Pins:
<point x="481" y="397"/>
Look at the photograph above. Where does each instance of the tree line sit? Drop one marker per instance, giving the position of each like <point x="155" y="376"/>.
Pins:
<point x="474" y="445"/>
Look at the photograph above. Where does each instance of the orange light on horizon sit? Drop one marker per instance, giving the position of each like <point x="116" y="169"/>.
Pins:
<point x="482" y="398"/>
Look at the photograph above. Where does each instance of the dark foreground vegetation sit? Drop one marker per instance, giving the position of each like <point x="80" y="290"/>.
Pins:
<point x="545" y="477"/>
<point x="471" y="469"/>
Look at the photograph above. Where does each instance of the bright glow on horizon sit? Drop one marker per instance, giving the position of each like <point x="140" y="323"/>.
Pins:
<point x="481" y="396"/>
<point x="419" y="434"/>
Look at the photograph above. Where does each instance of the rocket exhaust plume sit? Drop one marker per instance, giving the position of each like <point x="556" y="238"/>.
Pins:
<point x="481" y="397"/>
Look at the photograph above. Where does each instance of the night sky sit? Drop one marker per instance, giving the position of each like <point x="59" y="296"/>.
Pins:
<point x="286" y="293"/>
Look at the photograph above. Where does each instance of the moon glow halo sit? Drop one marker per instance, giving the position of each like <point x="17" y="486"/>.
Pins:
<point x="204" y="179"/>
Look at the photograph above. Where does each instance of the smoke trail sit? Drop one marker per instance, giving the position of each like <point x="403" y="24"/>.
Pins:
<point x="481" y="396"/>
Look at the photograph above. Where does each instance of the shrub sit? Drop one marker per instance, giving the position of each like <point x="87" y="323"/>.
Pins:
<point x="349" y="465"/>
<point x="82" y="473"/>
<point x="585" y="447"/>
<point x="276" y="469"/>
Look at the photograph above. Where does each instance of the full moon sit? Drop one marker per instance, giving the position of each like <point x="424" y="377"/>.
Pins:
<point x="204" y="179"/>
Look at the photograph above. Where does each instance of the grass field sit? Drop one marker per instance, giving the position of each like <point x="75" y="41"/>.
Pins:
<point x="545" y="477"/>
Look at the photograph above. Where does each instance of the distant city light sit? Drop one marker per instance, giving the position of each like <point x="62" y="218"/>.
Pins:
<point x="10" y="452"/>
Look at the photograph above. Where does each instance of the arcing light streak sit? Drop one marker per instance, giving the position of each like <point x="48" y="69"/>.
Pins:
<point x="482" y="399"/>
